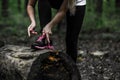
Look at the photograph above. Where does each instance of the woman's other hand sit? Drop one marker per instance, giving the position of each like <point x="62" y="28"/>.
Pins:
<point x="31" y="29"/>
<point x="47" y="31"/>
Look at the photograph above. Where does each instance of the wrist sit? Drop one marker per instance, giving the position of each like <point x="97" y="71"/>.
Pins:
<point x="33" y="22"/>
<point x="51" y="24"/>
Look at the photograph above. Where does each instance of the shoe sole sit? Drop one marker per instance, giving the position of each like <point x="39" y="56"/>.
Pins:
<point x="38" y="47"/>
<point x="46" y="47"/>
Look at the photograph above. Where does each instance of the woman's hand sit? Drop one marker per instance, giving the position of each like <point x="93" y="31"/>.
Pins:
<point x="47" y="31"/>
<point x="31" y="29"/>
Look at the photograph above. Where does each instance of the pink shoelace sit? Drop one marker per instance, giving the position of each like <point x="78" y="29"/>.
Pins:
<point x="45" y="47"/>
<point x="41" y="37"/>
<point x="50" y="47"/>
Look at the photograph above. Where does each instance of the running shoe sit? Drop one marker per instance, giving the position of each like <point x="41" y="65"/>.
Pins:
<point x="41" y="43"/>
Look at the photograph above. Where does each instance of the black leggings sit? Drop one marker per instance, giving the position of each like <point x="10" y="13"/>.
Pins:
<point x="74" y="23"/>
<point x="44" y="9"/>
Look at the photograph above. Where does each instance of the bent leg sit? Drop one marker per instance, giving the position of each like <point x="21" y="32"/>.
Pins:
<point x="44" y="10"/>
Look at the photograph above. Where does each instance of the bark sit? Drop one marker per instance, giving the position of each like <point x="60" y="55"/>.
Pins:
<point x="99" y="8"/>
<point x="117" y="2"/>
<point x="99" y="11"/>
<point x="19" y="5"/>
<point x="25" y="4"/>
<point x="22" y="63"/>
<point x="4" y="8"/>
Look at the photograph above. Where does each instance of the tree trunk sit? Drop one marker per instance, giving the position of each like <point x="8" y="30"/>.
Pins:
<point x="99" y="11"/>
<point x="117" y="2"/>
<point x="15" y="62"/>
<point x="22" y="63"/>
<point x="99" y="7"/>
<point x="4" y="8"/>
<point x="25" y="4"/>
<point x="19" y="5"/>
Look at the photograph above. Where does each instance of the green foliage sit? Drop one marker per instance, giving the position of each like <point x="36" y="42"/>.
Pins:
<point x="17" y="22"/>
<point x="109" y="20"/>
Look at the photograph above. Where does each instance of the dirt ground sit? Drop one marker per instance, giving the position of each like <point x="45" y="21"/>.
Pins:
<point x="100" y="67"/>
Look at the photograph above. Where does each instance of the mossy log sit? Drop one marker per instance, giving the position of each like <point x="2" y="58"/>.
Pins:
<point x="22" y="63"/>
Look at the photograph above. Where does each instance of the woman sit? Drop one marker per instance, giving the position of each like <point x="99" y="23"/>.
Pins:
<point x="74" y="11"/>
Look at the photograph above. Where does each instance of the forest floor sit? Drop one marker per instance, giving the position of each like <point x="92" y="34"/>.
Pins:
<point x="99" y="60"/>
<point x="105" y="65"/>
<point x="98" y="55"/>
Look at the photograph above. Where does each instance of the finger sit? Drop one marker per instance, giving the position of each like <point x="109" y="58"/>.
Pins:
<point x="47" y="36"/>
<point x="33" y="32"/>
<point x="28" y="32"/>
<point x="43" y="33"/>
<point x="50" y="32"/>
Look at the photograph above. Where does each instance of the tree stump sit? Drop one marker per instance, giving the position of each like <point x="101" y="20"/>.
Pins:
<point x="22" y="63"/>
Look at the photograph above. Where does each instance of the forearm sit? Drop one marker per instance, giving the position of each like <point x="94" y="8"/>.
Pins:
<point x="30" y="10"/>
<point x="60" y="14"/>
